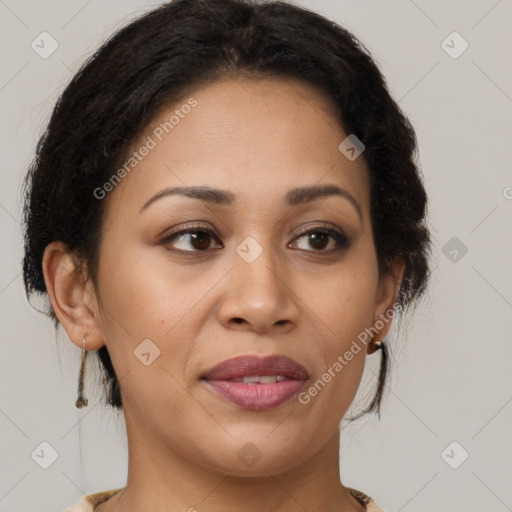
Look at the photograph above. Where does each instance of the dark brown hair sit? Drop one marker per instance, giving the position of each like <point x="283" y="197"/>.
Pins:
<point x="162" y="56"/>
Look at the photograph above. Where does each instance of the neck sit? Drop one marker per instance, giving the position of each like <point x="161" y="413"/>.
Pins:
<point x="159" y="477"/>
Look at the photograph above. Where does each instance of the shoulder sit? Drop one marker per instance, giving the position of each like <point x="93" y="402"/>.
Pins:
<point x="368" y="502"/>
<point x="87" y="503"/>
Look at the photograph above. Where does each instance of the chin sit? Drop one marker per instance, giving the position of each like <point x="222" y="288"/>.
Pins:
<point x="257" y="455"/>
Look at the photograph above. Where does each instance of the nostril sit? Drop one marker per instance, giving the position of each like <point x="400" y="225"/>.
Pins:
<point x="238" y="320"/>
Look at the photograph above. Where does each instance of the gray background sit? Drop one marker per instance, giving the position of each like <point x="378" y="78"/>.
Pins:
<point x="452" y="361"/>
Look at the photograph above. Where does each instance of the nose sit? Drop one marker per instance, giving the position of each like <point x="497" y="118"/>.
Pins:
<point x="259" y="296"/>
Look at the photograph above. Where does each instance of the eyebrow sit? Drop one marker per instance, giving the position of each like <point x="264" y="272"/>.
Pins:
<point x="293" y="197"/>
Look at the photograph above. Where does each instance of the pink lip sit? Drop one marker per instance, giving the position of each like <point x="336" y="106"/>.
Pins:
<point x="257" y="397"/>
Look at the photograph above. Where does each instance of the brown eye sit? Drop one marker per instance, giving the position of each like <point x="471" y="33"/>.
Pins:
<point x="319" y="239"/>
<point x="190" y="240"/>
<point x="199" y="240"/>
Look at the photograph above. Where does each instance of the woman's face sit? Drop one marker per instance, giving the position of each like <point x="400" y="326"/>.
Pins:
<point x="256" y="275"/>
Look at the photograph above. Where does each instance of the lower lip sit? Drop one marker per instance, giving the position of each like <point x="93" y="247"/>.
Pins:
<point x="257" y="397"/>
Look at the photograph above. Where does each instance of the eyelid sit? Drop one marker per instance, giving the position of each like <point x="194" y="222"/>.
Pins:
<point x="338" y="234"/>
<point x="342" y="239"/>
<point x="323" y="226"/>
<point x="185" y="228"/>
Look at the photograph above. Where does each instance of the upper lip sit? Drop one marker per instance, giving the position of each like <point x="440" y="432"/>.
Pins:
<point x="244" y="366"/>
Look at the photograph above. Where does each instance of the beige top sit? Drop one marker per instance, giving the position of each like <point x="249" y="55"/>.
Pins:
<point x="89" y="502"/>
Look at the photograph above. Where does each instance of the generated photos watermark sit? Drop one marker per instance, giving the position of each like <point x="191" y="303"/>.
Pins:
<point x="150" y="143"/>
<point x="342" y="360"/>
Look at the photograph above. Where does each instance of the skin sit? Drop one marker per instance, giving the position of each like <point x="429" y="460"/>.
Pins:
<point x="258" y="139"/>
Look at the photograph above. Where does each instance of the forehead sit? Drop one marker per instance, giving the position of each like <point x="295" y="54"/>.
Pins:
<point x="257" y="137"/>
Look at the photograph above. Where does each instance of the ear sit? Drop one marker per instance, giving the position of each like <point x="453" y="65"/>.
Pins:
<point x="387" y="293"/>
<point x="72" y="297"/>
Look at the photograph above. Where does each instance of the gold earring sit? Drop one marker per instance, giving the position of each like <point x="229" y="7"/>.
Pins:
<point x="374" y="346"/>
<point x="81" y="400"/>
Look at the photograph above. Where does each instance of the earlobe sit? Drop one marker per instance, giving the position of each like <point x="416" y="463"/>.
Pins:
<point x="389" y="288"/>
<point x="69" y="296"/>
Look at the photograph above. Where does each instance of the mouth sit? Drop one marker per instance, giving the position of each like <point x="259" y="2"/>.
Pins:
<point x="257" y="383"/>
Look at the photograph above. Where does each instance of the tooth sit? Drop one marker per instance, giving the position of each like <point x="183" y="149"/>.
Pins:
<point x="268" y="379"/>
<point x="253" y="379"/>
<point x="260" y="379"/>
<point x="250" y="379"/>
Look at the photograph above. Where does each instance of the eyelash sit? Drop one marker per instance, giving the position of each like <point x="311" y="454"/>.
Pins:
<point x="343" y="242"/>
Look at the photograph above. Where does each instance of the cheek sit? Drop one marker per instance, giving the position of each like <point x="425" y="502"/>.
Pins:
<point x="142" y="323"/>
<point x="138" y="302"/>
<point x="145" y="297"/>
<point x="344" y="298"/>
<point x="344" y="303"/>
<point x="148" y="299"/>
